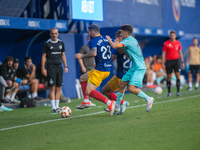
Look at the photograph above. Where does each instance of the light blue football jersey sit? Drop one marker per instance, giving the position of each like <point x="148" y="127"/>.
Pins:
<point x="132" y="47"/>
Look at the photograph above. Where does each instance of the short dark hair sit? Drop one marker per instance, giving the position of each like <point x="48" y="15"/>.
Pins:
<point x="159" y="57"/>
<point x="16" y="60"/>
<point x="9" y="58"/>
<point x="94" y="27"/>
<point x="27" y="58"/>
<point x="118" y="33"/>
<point x="194" y="38"/>
<point x="172" y="32"/>
<point x="127" y="28"/>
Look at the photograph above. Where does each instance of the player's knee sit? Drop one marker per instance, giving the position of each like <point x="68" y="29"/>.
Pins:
<point x="58" y="89"/>
<point x="120" y="85"/>
<point x="129" y="88"/>
<point x="15" y="84"/>
<point x="9" y="83"/>
<point x="35" y="81"/>
<point x="81" y="78"/>
<point x="132" y="89"/>
<point x="52" y="89"/>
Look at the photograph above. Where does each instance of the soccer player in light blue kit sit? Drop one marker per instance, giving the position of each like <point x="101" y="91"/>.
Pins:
<point x="123" y="65"/>
<point x="136" y="73"/>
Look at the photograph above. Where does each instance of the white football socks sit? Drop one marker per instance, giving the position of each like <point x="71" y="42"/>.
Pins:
<point x="7" y="97"/>
<point x="33" y="95"/>
<point x="57" y="103"/>
<point x="197" y="84"/>
<point x="13" y="96"/>
<point x="108" y="103"/>
<point x="86" y="100"/>
<point x="190" y="84"/>
<point x="53" y="104"/>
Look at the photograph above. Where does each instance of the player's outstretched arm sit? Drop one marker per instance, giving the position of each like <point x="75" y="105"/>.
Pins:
<point x="113" y="45"/>
<point x="91" y="53"/>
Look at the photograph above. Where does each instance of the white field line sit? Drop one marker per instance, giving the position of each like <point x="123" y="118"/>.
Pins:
<point x="31" y="124"/>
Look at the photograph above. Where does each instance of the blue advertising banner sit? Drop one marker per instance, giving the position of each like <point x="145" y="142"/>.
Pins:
<point x="183" y="15"/>
<point x="87" y="9"/>
<point x="36" y="24"/>
<point x="139" y="13"/>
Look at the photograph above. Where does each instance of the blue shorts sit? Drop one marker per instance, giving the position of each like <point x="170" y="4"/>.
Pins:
<point x="134" y="77"/>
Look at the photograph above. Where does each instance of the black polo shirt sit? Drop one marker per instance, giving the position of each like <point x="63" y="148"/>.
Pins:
<point x="23" y="71"/>
<point x="53" y="51"/>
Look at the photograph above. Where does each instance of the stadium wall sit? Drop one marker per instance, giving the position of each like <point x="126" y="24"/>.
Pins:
<point x="180" y="15"/>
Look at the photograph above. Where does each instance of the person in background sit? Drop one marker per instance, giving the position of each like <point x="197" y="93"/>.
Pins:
<point x="53" y="53"/>
<point x="154" y="59"/>
<point x="172" y="53"/>
<point x="149" y="73"/>
<point x="193" y="59"/>
<point x="15" y="65"/>
<point x="11" y="79"/>
<point x="86" y="64"/>
<point x="4" y="85"/>
<point x="27" y="75"/>
<point x="159" y="72"/>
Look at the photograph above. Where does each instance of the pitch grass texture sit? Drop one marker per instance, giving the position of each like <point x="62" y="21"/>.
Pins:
<point x="172" y="125"/>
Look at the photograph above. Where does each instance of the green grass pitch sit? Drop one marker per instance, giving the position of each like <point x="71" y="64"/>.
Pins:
<point x="172" y="124"/>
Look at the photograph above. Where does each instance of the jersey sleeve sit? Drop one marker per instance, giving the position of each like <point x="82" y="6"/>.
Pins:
<point x="92" y="44"/>
<point x="63" y="47"/>
<point x="123" y="43"/>
<point x="164" y="47"/>
<point x="44" y="49"/>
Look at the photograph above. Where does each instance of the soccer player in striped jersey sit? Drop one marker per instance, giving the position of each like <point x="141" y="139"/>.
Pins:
<point x="101" y="50"/>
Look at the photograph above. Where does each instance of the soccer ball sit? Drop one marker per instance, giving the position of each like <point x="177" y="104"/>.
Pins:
<point x="158" y="90"/>
<point x="65" y="112"/>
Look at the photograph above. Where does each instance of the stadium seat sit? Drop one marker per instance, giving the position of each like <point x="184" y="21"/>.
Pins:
<point x="41" y="86"/>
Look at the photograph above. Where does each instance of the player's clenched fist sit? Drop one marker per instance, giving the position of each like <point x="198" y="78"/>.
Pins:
<point x="108" y="37"/>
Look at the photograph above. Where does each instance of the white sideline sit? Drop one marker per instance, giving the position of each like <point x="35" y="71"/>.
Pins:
<point x="31" y="124"/>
